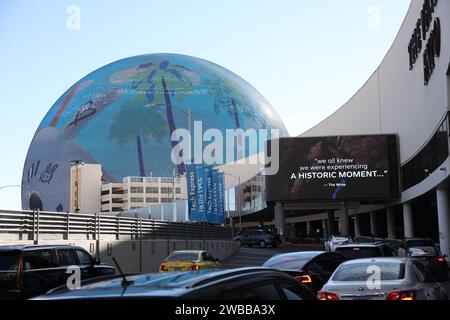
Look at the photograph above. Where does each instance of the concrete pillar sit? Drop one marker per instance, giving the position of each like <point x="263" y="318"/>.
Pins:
<point x="357" y="225"/>
<point x="408" y="220"/>
<point x="390" y="214"/>
<point x="325" y="228"/>
<point x="331" y="230"/>
<point x="345" y="222"/>
<point x="443" y="204"/>
<point x="373" y="224"/>
<point x="280" y="221"/>
<point x="308" y="228"/>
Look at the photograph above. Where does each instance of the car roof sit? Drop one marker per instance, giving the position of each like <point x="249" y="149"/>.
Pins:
<point x="189" y="251"/>
<point x="362" y="245"/>
<point x="310" y="254"/>
<point x="377" y="260"/>
<point x="37" y="247"/>
<point x="155" y="285"/>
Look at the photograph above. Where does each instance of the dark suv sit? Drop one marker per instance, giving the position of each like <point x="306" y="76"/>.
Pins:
<point x="27" y="271"/>
<point x="366" y="250"/>
<point x="261" y="238"/>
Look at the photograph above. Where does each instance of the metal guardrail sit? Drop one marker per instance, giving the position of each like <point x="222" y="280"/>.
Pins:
<point x="35" y="223"/>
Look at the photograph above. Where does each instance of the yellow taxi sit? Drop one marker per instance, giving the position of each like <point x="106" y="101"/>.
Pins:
<point x="189" y="261"/>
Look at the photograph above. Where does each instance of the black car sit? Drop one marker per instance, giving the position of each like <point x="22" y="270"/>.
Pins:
<point x="366" y="250"/>
<point x="27" y="271"/>
<point x="238" y="285"/>
<point x="433" y="259"/>
<point x="313" y="269"/>
<point x="260" y="238"/>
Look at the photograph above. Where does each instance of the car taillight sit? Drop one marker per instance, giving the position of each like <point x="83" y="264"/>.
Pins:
<point x="304" y="279"/>
<point x="195" y="267"/>
<point x="402" y="296"/>
<point x="163" y="268"/>
<point x="327" y="296"/>
<point x="440" y="259"/>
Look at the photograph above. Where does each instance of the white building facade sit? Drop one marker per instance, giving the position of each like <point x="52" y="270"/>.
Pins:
<point x="408" y="95"/>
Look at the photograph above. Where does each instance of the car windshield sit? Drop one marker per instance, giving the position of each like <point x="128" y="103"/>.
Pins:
<point x="183" y="256"/>
<point x="161" y="281"/>
<point x="357" y="252"/>
<point x="388" y="271"/>
<point x="294" y="262"/>
<point x="342" y="238"/>
<point x="9" y="261"/>
<point x="423" y="251"/>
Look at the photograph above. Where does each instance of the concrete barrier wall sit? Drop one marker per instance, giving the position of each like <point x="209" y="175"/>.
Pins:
<point x="141" y="255"/>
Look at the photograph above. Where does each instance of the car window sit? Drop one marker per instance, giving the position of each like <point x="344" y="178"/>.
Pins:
<point x="358" y="252"/>
<point x="295" y="292"/>
<point x="419" y="243"/>
<point x="67" y="257"/>
<point x="329" y="262"/>
<point x="183" y="256"/>
<point x="83" y="257"/>
<point x="292" y="262"/>
<point x="9" y="260"/>
<point x="266" y="291"/>
<point x="421" y="273"/>
<point x="362" y="271"/>
<point x="40" y="259"/>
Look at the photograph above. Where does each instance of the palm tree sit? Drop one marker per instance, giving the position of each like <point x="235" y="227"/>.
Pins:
<point x="134" y="122"/>
<point x="162" y="82"/>
<point x="229" y="98"/>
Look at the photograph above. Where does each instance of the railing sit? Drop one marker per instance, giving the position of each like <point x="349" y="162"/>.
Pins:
<point x="95" y="226"/>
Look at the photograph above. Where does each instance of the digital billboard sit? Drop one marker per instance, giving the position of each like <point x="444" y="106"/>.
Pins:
<point x="341" y="168"/>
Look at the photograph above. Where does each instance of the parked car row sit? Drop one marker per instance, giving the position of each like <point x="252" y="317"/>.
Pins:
<point x="364" y="271"/>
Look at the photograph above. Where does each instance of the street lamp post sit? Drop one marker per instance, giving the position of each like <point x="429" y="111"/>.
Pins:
<point x="77" y="163"/>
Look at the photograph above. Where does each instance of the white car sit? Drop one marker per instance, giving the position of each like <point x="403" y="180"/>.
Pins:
<point x="382" y="279"/>
<point x="335" y="241"/>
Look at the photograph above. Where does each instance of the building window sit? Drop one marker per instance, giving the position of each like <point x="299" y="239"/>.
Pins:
<point x="166" y="190"/>
<point x="152" y="200"/>
<point x="137" y="200"/>
<point x="428" y="160"/>
<point x="105" y="192"/>
<point x="136" y="190"/>
<point x="152" y="190"/>
<point x="136" y="179"/>
<point x="166" y="200"/>
<point x="166" y="180"/>
<point x="178" y="190"/>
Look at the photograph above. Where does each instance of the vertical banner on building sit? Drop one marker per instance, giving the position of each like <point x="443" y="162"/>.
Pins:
<point x="192" y="192"/>
<point x="221" y="198"/>
<point x="209" y="197"/>
<point x="201" y="193"/>
<point x="215" y="197"/>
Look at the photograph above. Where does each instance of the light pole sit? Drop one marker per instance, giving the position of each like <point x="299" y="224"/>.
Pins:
<point x="77" y="163"/>
<point x="239" y="198"/>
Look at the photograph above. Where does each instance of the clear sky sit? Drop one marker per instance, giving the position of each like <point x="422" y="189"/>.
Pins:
<point x="306" y="57"/>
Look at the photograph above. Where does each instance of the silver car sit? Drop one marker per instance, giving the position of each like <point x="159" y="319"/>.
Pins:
<point x="382" y="279"/>
<point x="335" y="241"/>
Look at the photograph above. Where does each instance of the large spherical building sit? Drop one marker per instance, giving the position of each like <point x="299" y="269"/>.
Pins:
<point x="122" y="116"/>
